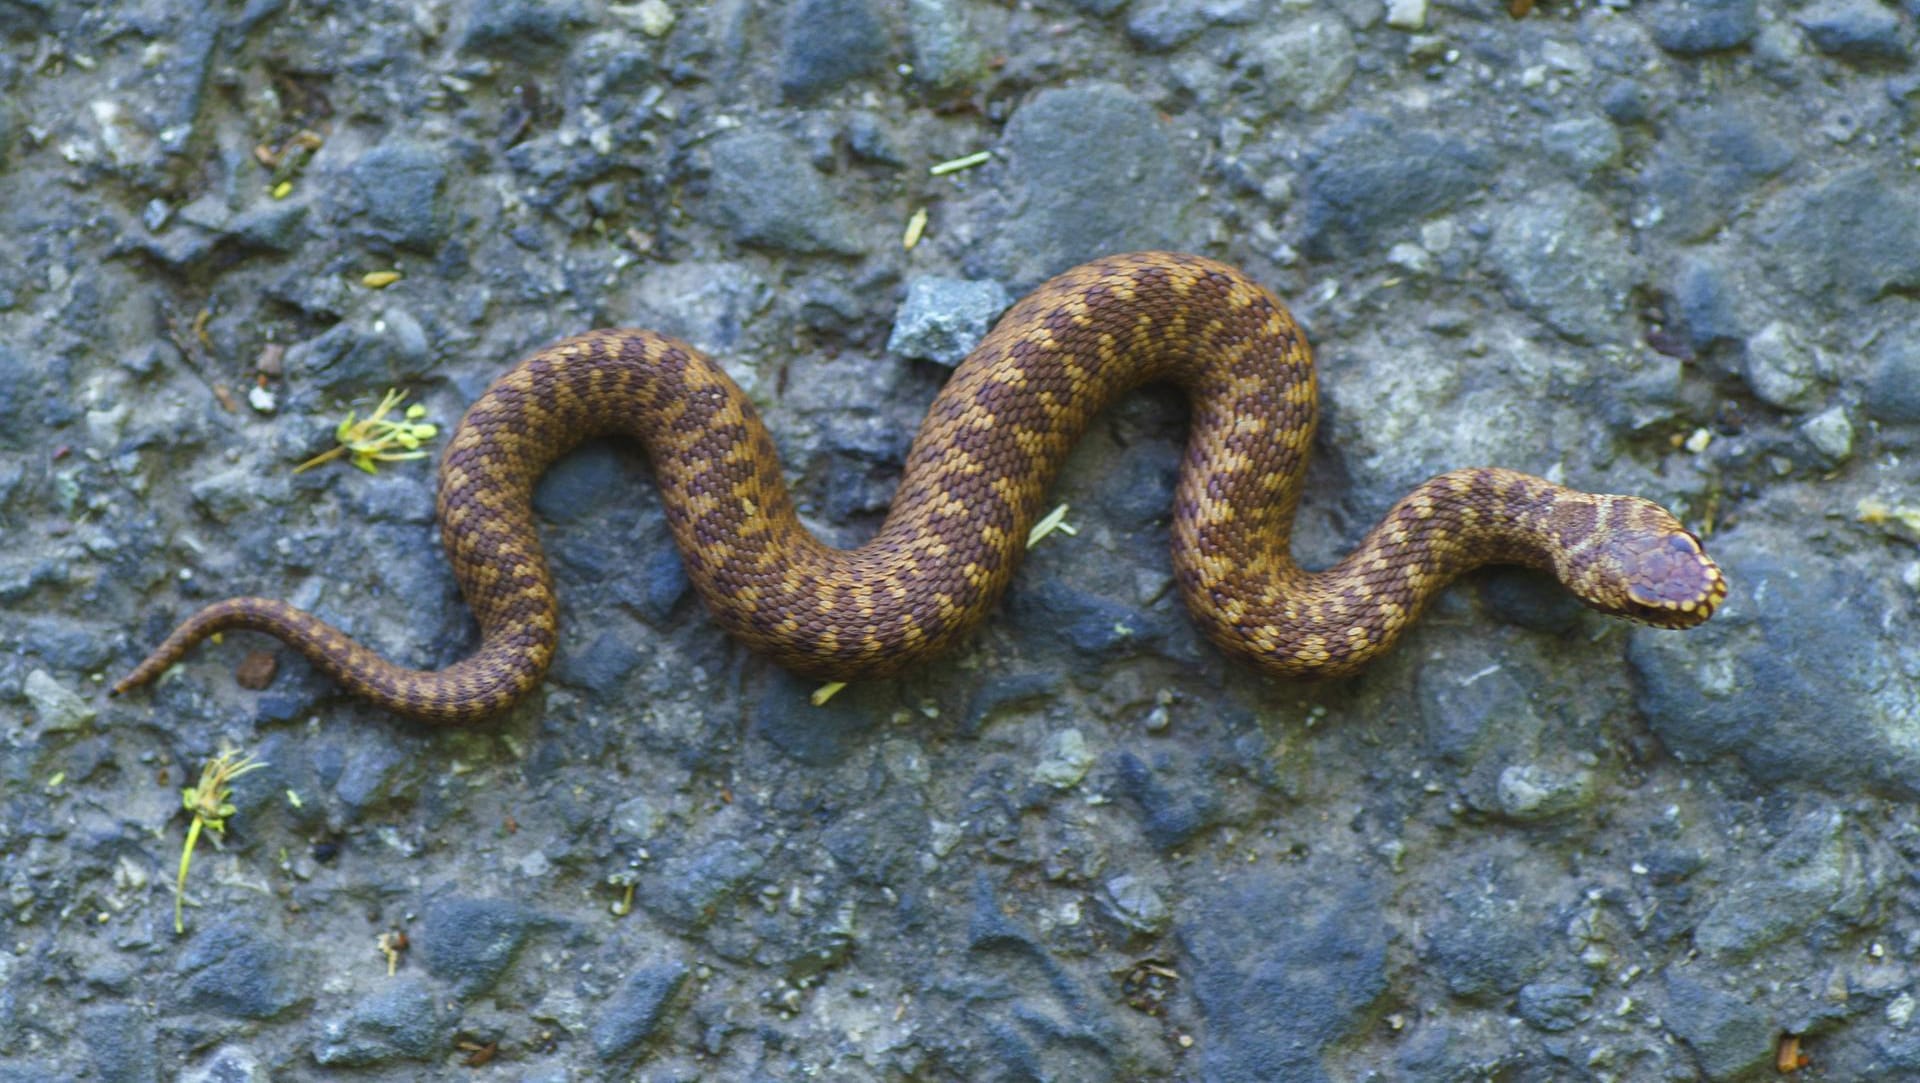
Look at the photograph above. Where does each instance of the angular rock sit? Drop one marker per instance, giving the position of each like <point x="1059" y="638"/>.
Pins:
<point x="1697" y="27"/>
<point x="765" y="192"/>
<point x="469" y="943"/>
<point x="1856" y="235"/>
<point x="401" y="188"/>
<point x="396" y="1022"/>
<point x="829" y="43"/>
<point x="1371" y="176"/>
<point x="635" y="1013"/>
<point x="943" y="319"/>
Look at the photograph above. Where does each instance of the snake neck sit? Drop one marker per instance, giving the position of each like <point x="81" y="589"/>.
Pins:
<point x="1267" y="609"/>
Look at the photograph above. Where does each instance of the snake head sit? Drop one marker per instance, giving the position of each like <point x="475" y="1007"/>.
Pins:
<point x="1644" y="566"/>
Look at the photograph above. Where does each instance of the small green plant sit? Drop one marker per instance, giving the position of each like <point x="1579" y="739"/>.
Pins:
<point x="378" y="439"/>
<point x="210" y="807"/>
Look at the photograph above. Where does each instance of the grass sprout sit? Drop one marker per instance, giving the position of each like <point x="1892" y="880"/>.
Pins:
<point x="209" y="802"/>
<point x="377" y="438"/>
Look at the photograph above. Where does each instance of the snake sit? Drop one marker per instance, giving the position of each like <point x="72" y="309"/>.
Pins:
<point x="974" y="483"/>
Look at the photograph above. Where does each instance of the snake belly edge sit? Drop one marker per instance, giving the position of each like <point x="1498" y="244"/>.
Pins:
<point x="975" y="481"/>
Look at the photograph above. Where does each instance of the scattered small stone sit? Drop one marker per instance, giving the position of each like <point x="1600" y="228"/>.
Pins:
<point x="1065" y="761"/>
<point x="1830" y="433"/>
<point x="1407" y="14"/>
<point x="1137" y="904"/>
<point x="1893" y="381"/>
<point x="401" y="186"/>
<point x="1696" y="27"/>
<point x="58" y="708"/>
<point x="943" y="319"/>
<point x="397" y="1022"/>
<point x="1528" y="793"/>
<point x="636" y="1012"/>
<point x="655" y="17"/>
<point x="1781" y="369"/>
<point x="256" y="669"/>
<point x="827" y="44"/>
<point x="766" y="192"/>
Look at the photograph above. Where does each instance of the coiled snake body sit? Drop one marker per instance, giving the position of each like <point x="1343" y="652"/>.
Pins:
<point x="975" y="481"/>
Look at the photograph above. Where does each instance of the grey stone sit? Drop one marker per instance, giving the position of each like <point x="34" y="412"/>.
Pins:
<point x="1162" y="25"/>
<point x="1171" y="813"/>
<point x="1777" y="681"/>
<point x="1529" y="792"/>
<point x="401" y="188"/>
<point x="1563" y="259"/>
<point x="363" y="357"/>
<point x="575" y="487"/>
<point x="231" y="970"/>
<point x="1855" y="30"/>
<point x="1303" y="64"/>
<point x="511" y="29"/>
<point x="119" y="1044"/>
<point x="1830" y="434"/>
<point x="1275" y="996"/>
<point x="1893" y="382"/>
<point x="1064" y="761"/>
<point x="765" y="192"/>
<point x="636" y="1012"/>
<point x="1092" y="171"/>
<point x="396" y="1022"/>
<point x="1582" y="146"/>
<point x="1554" y="1006"/>
<point x="1698" y="180"/>
<point x="947" y="53"/>
<point x="817" y="736"/>
<point x="601" y="666"/>
<point x="227" y="1064"/>
<point x="1370" y="177"/>
<point x="689" y="890"/>
<point x="1706" y="300"/>
<point x="469" y="943"/>
<point x="1486" y="940"/>
<point x="1695" y="27"/>
<point x="1097" y="8"/>
<point x="1814" y="880"/>
<point x="58" y="709"/>
<point x="1781" y="369"/>
<point x="1136" y="903"/>
<point x="943" y="319"/>
<point x="1857" y="235"/>
<point x="1729" y="1036"/>
<point x="828" y="43"/>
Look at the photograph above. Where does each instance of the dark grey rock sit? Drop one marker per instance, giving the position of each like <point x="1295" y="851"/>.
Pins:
<point x="1582" y="145"/>
<point x="947" y="54"/>
<point x="1695" y="27"/>
<point x="1857" y="235"/>
<point x="943" y="319"/>
<point x="119" y="1044"/>
<point x="1275" y="996"/>
<point x="1487" y="940"/>
<point x="1893" y="383"/>
<point x="362" y="358"/>
<point x="1563" y="259"/>
<point x="1092" y="171"/>
<point x="1092" y="624"/>
<point x="829" y="43"/>
<point x="819" y="736"/>
<point x="578" y="485"/>
<point x="663" y="581"/>
<point x="1814" y="881"/>
<point x="1161" y="25"/>
<point x="229" y="969"/>
<point x="1729" y="1036"/>
<point x="635" y="1013"/>
<point x="396" y="1022"/>
<point x="1626" y="102"/>
<point x="1554" y="1006"/>
<point x="1855" y="30"/>
<point x="1706" y="302"/>
<point x="1701" y="178"/>
<point x="1371" y="176"/>
<point x="401" y="188"/>
<point x="1777" y="682"/>
<point x="690" y="889"/>
<point x="1097" y="8"/>
<point x="765" y="191"/>
<point x="513" y="29"/>
<point x="1171" y="814"/>
<point x="601" y="666"/>
<point x="469" y="943"/>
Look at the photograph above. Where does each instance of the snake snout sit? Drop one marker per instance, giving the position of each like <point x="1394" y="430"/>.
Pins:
<point x="1670" y="580"/>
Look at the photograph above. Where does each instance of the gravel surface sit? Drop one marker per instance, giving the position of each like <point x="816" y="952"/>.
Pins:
<point x="1669" y="248"/>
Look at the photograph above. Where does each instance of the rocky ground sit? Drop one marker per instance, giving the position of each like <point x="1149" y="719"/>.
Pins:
<point x="1665" y="248"/>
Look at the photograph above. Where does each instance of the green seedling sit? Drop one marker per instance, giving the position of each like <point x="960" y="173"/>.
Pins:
<point x="378" y="439"/>
<point x="209" y="803"/>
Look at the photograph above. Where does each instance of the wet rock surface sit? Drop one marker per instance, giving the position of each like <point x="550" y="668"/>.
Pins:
<point x="1670" y="248"/>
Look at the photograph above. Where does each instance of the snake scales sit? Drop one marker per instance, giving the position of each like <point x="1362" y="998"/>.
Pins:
<point x="975" y="480"/>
